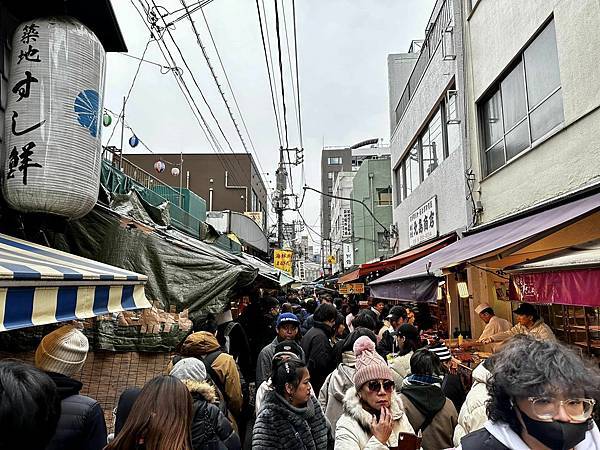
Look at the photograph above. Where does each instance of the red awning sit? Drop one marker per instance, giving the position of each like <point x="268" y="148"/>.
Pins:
<point x="399" y="260"/>
<point x="565" y="287"/>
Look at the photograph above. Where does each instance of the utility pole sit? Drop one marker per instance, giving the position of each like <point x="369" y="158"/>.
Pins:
<point x="281" y="179"/>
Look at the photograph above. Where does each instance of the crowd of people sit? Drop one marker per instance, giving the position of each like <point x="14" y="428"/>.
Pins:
<point x="315" y="373"/>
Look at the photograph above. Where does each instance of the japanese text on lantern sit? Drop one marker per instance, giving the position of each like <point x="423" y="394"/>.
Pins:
<point x="422" y="223"/>
<point x="21" y="157"/>
<point x="282" y="260"/>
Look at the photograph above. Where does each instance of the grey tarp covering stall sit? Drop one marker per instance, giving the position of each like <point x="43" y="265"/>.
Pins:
<point x="423" y="289"/>
<point x="183" y="273"/>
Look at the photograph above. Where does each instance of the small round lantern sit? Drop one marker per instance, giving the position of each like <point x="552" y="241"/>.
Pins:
<point x="106" y="119"/>
<point x="134" y="141"/>
<point x="175" y="171"/>
<point x="159" y="166"/>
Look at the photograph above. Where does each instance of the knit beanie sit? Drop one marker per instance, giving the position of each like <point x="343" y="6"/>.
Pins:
<point x="189" y="369"/>
<point x="63" y="351"/>
<point x="369" y="365"/>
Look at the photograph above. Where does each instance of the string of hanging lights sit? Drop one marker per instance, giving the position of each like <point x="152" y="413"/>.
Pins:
<point x="161" y="164"/>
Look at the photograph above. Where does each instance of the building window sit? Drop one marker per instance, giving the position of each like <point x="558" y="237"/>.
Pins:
<point x="432" y="144"/>
<point x="334" y="161"/>
<point x="399" y="184"/>
<point x="329" y="190"/>
<point x="526" y="104"/>
<point x="330" y="175"/>
<point x="440" y="138"/>
<point x="412" y="176"/>
<point x="382" y="241"/>
<point x="384" y="196"/>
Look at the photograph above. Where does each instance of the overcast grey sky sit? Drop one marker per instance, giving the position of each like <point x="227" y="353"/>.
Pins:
<point x="342" y="52"/>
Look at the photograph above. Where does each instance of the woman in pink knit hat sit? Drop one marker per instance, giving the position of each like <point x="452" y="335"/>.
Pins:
<point x="373" y="413"/>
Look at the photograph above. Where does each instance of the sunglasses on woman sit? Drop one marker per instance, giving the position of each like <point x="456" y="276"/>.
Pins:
<point x="377" y="385"/>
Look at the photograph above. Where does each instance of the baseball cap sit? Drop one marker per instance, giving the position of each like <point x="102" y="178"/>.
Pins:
<point x="397" y="312"/>
<point x="287" y="317"/>
<point x="525" y="309"/>
<point x="481" y="307"/>
<point x="290" y="348"/>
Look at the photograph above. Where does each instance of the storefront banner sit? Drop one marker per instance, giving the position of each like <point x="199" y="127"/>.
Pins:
<point x="566" y="287"/>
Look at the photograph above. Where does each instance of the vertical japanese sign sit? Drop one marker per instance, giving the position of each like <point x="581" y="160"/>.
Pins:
<point x="423" y="223"/>
<point x="348" y="255"/>
<point x="282" y="260"/>
<point x="22" y="141"/>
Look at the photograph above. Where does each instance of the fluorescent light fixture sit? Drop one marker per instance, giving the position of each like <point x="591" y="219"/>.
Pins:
<point x="440" y="293"/>
<point x="463" y="290"/>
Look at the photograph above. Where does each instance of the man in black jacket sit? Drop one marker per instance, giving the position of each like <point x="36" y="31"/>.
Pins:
<point x="397" y="317"/>
<point x="29" y="406"/>
<point x="61" y="354"/>
<point x="317" y="346"/>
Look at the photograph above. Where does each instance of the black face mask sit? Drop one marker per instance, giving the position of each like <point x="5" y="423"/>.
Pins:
<point x="556" y="435"/>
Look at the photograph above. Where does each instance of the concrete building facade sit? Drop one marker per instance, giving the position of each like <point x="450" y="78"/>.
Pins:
<point x="372" y="185"/>
<point x="534" y="93"/>
<point x="533" y="96"/>
<point x="428" y="137"/>
<point x="333" y="161"/>
<point x="341" y="222"/>
<point x="226" y="182"/>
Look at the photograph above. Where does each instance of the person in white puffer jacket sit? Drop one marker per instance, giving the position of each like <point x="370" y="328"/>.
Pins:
<point x="473" y="413"/>
<point x="373" y="413"/>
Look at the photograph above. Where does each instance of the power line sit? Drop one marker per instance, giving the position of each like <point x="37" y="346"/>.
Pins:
<point x="129" y="91"/>
<point x="168" y="30"/>
<point x="163" y="69"/>
<point x="281" y="72"/>
<point x="214" y="75"/>
<point x="210" y="137"/>
<point x="273" y="93"/>
<point x="287" y="44"/>
<point x="232" y="91"/>
<point x="297" y="78"/>
<point x="352" y="200"/>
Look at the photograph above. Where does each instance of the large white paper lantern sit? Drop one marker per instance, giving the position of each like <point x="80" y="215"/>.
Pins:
<point x="52" y="156"/>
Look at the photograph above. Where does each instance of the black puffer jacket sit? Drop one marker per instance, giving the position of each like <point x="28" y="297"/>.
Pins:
<point x="210" y="428"/>
<point x="280" y="425"/>
<point x="320" y="358"/>
<point x="81" y="425"/>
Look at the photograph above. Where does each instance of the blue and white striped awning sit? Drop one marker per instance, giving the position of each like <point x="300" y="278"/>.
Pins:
<point x="40" y="285"/>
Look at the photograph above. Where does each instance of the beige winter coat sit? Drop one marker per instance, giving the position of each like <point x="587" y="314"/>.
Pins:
<point x="335" y="387"/>
<point x="353" y="430"/>
<point x="539" y="331"/>
<point x="473" y="414"/>
<point x="400" y="366"/>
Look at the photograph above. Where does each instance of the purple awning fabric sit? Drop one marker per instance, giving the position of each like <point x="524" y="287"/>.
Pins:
<point x="494" y="239"/>
<point x="420" y="290"/>
<point x="564" y="287"/>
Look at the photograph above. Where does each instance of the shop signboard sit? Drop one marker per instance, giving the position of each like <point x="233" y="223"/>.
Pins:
<point x="282" y="260"/>
<point x="257" y="216"/>
<point x="348" y="255"/>
<point x="423" y="223"/>
<point x="352" y="288"/>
